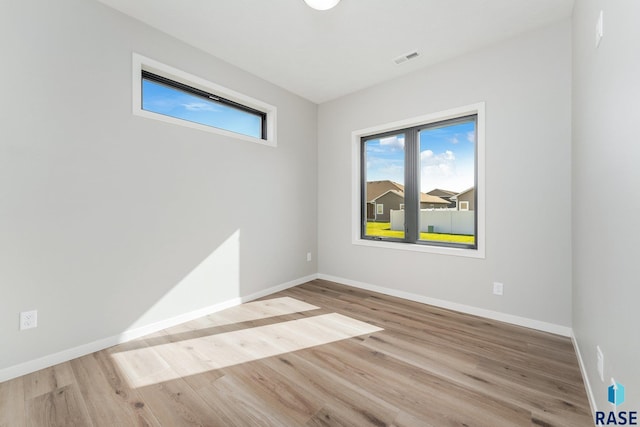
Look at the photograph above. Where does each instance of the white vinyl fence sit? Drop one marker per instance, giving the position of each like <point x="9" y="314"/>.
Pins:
<point x="442" y="221"/>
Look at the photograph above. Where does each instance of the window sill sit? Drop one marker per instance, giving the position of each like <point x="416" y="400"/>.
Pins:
<point x="440" y="250"/>
<point x="185" y="123"/>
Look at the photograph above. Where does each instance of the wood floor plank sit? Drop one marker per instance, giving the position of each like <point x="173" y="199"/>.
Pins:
<point x="414" y="390"/>
<point x="12" y="403"/>
<point x="285" y="397"/>
<point x="185" y="360"/>
<point x="560" y="415"/>
<point x="527" y="389"/>
<point x="406" y="420"/>
<point x="335" y="415"/>
<point x="341" y="399"/>
<point x="107" y="396"/>
<point x="241" y="405"/>
<point x="141" y="366"/>
<point x="47" y="380"/>
<point x="175" y="403"/>
<point x="61" y="407"/>
<point x="532" y="381"/>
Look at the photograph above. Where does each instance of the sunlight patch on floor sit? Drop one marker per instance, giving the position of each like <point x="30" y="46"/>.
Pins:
<point x="166" y="362"/>
<point x="257" y="310"/>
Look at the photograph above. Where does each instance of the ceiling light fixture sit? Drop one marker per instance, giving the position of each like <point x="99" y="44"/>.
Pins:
<point x="321" y="4"/>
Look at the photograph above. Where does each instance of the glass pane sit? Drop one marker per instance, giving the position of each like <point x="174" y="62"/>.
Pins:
<point x="173" y="102"/>
<point x="384" y="187"/>
<point x="447" y="183"/>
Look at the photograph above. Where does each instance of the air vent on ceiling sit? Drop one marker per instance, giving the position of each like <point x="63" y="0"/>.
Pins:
<point x="406" y="57"/>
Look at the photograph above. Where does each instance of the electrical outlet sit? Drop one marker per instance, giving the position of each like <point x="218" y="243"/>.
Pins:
<point x="308" y="256"/>
<point x="498" y="288"/>
<point x="28" y="319"/>
<point x="600" y="363"/>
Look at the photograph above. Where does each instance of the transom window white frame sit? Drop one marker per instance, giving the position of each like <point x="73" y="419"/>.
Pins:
<point x="141" y="63"/>
<point x="479" y="252"/>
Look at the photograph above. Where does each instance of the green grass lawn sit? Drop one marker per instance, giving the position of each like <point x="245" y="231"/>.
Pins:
<point x="383" y="229"/>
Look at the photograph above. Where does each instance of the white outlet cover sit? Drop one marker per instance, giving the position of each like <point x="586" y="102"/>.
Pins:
<point x="498" y="288"/>
<point x="28" y="319"/>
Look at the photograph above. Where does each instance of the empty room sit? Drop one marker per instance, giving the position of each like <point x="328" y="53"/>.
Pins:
<point x="319" y="213"/>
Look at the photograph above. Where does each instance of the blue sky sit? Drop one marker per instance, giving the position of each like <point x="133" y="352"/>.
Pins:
<point x="446" y="158"/>
<point x="176" y="103"/>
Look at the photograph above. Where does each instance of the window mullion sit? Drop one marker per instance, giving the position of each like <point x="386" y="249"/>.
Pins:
<point x="411" y="187"/>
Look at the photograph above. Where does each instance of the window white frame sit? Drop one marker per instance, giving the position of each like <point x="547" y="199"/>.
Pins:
<point x="379" y="209"/>
<point x="356" y="208"/>
<point x="141" y="63"/>
<point x="401" y="206"/>
<point x="464" y="205"/>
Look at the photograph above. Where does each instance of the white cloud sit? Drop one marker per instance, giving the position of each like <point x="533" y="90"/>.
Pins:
<point x="383" y="169"/>
<point x="471" y="137"/>
<point x="198" y="106"/>
<point x="396" y="143"/>
<point x="438" y="165"/>
<point x="429" y="158"/>
<point x="442" y="170"/>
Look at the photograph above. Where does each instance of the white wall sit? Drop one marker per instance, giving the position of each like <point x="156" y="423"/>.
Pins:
<point x="110" y="221"/>
<point x="526" y="84"/>
<point x="606" y="159"/>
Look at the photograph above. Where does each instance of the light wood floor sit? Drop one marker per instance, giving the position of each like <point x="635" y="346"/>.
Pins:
<point x="320" y="354"/>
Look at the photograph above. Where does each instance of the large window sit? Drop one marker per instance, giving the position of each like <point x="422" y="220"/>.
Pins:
<point x="427" y="173"/>
<point x="164" y="93"/>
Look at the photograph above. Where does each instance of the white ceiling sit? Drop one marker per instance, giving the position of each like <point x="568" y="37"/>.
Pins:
<point x="324" y="55"/>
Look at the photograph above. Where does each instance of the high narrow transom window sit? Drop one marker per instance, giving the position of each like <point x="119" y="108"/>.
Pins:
<point x="167" y="94"/>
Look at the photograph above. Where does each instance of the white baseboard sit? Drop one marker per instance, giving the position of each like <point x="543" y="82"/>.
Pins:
<point x="490" y="314"/>
<point x="585" y="377"/>
<point x="131" y="334"/>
